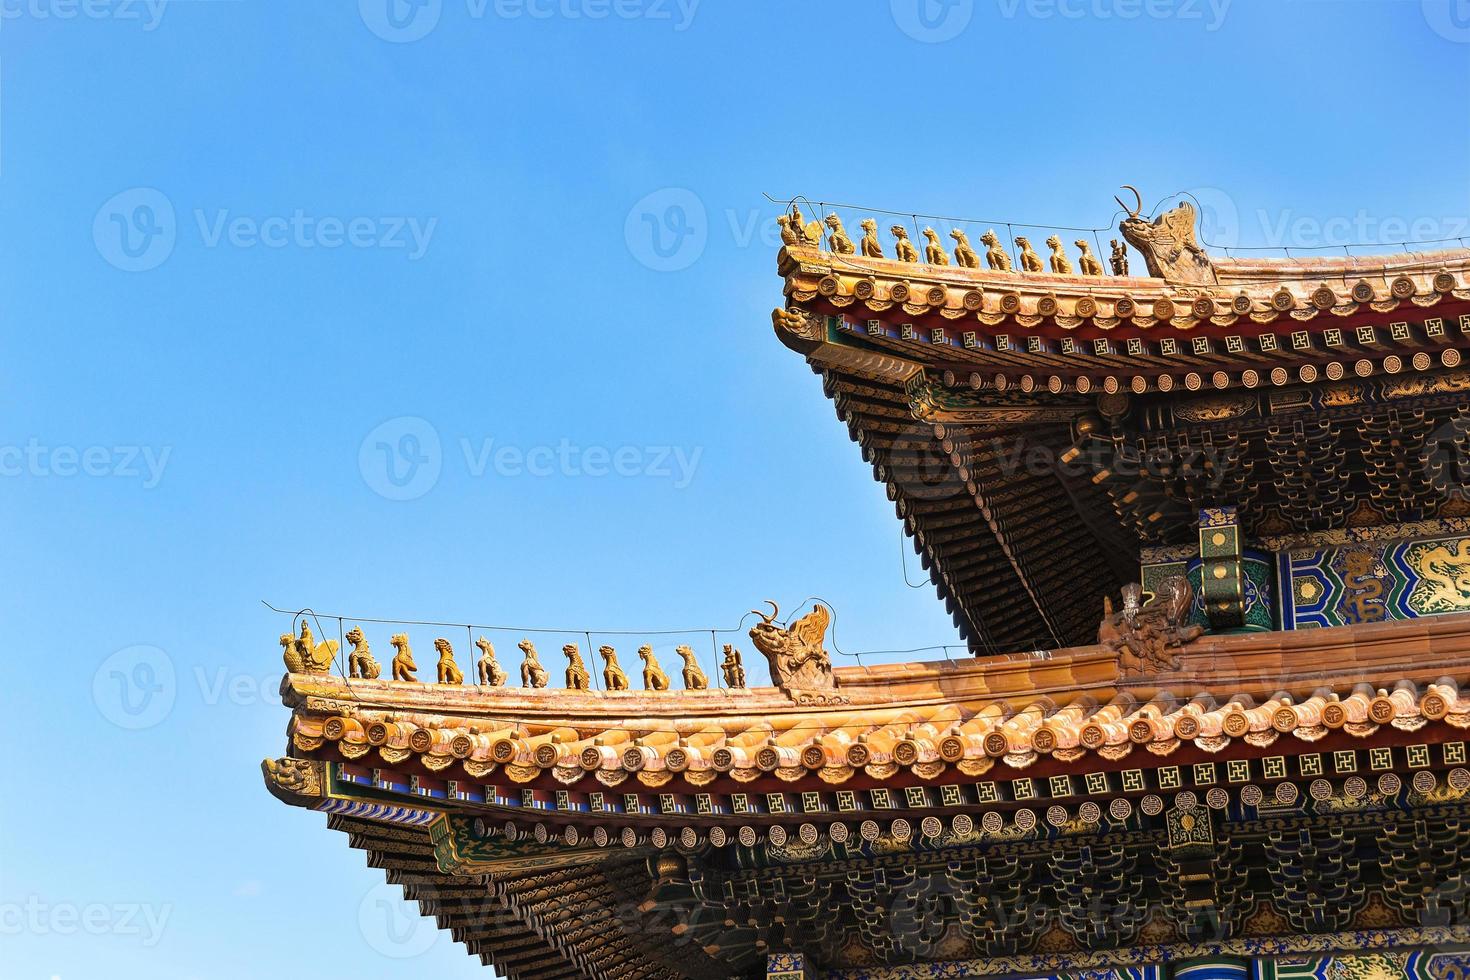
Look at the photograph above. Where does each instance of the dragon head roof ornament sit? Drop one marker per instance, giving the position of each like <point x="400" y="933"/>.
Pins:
<point x="1168" y="244"/>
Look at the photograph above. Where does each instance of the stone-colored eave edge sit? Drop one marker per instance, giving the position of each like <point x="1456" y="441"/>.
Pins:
<point x="1253" y="292"/>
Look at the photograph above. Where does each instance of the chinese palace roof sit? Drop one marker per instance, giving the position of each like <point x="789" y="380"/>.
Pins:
<point x="1266" y="758"/>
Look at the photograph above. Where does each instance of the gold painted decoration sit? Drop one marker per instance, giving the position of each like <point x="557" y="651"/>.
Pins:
<point x="1030" y="261"/>
<point x="934" y="253"/>
<point x="403" y="666"/>
<point x="796" y="654"/>
<point x="1169" y="246"/>
<point x="870" y="246"/>
<point x="964" y="254"/>
<point x="488" y="669"/>
<point x="654" y="678"/>
<point x="449" y="672"/>
<point x="532" y="673"/>
<point x="903" y="248"/>
<point x="303" y="655"/>
<point x="360" y="662"/>
<point x="996" y="257"/>
<point x="299" y="777"/>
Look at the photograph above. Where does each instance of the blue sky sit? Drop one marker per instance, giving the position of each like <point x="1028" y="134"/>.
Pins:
<point x="461" y="312"/>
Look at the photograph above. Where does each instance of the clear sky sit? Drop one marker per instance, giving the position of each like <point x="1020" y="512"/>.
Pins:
<point x="460" y="311"/>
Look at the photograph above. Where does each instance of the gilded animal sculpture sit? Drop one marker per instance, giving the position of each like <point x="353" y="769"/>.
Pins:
<point x="360" y="662"/>
<point x="796" y="653"/>
<point x="614" y="678"/>
<point x="732" y="667"/>
<point x="1086" y="261"/>
<point x="577" y="677"/>
<point x="694" y="677"/>
<point x="532" y="673"/>
<point x="796" y="230"/>
<point x="838" y="241"/>
<point x="1444" y="576"/>
<point x="449" y="672"/>
<point x="301" y="777"/>
<point x="1030" y="261"/>
<point x="303" y="655"/>
<point x="934" y="253"/>
<point x="964" y="255"/>
<point x="871" y="247"/>
<point x="1168" y="244"/>
<point x="403" y="665"/>
<point x="902" y="247"/>
<point x="995" y="256"/>
<point x="1145" y="634"/>
<point x="1060" y="264"/>
<point x="654" y="678"/>
<point x="490" y="672"/>
<point x="1119" y="259"/>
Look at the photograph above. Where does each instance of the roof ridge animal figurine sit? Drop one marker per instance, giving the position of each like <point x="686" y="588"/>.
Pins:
<point x="871" y="247"/>
<point x="577" y="677"/>
<point x="303" y="655"/>
<point x="1030" y="261"/>
<point x="796" y="230"/>
<point x="1119" y="258"/>
<point x="694" y="676"/>
<point x="1144" y="634"/>
<point x="838" y="240"/>
<point x="654" y="678"/>
<point x="1060" y="264"/>
<point x="532" y="673"/>
<point x="796" y="653"/>
<point x="964" y="254"/>
<point x="490" y="672"/>
<point x="732" y="667"/>
<point x="995" y="256"/>
<point x="903" y="248"/>
<point x="1168" y="243"/>
<point x="1086" y="261"/>
<point x="360" y="662"/>
<point x="614" y="678"/>
<point x="403" y="665"/>
<point x="449" y="672"/>
<point x="934" y="253"/>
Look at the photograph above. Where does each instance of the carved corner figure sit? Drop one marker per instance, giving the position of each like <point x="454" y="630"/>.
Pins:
<point x="871" y="247"/>
<point x="654" y="678"/>
<point x="964" y="254"/>
<point x="1168" y="244"/>
<point x="796" y="653"/>
<point x="403" y="665"/>
<point x="360" y="662"/>
<point x="1086" y="261"/>
<point x="1060" y="264"/>
<point x="995" y="256"/>
<point x="449" y="672"/>
<point x="490" y="672"/>
<point x="838" y="240"/>
<point x="934" y="253"/>
<point x="577" y="677"/>
<point x="902" y="246"/>
<point x="1119" y="259"/>
<point x="1030" y="261"/>
<point x="796" y="230"/>
<point x="694" y="676"/>
<point x="1146" y="634"/>
<point x="303" y="655"/>
<point x="732" y="667"/>
<point x="614" y="678"/>
<point x="532" y="673"/>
